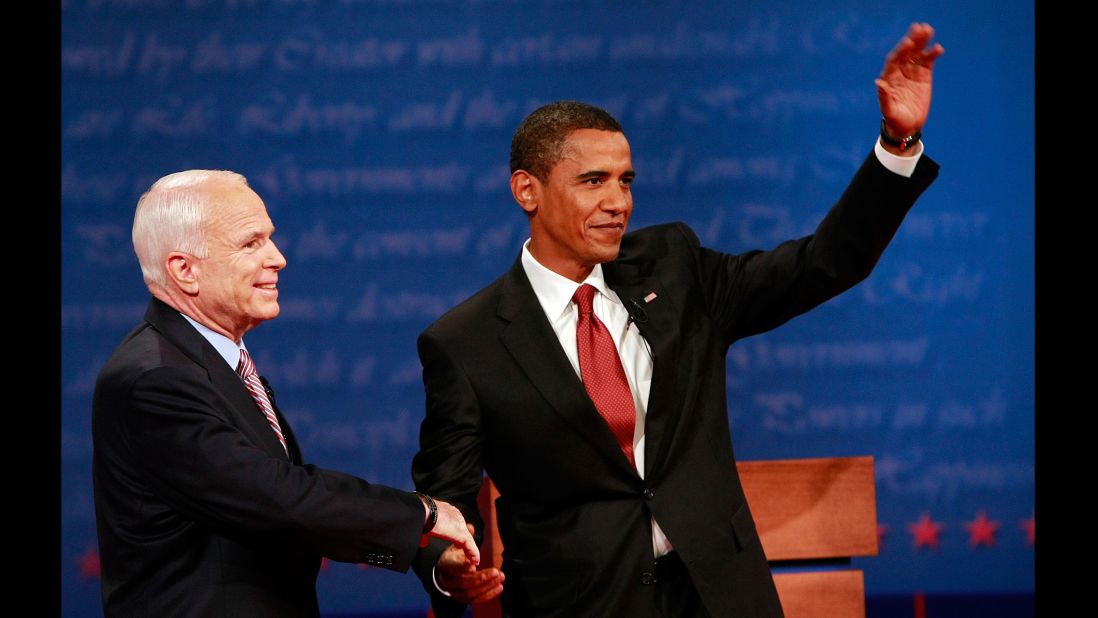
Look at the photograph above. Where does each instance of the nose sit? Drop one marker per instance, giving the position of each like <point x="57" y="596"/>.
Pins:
<point x="275" y="260"/>
<point x="619" y="200"/>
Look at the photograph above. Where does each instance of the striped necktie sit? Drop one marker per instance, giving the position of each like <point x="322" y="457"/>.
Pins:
<point x="246" y="369"/>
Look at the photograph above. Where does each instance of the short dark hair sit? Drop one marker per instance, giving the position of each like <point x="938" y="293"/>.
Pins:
<point x="538" y="142"/>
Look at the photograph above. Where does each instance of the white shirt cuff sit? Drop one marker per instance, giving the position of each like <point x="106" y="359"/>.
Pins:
<point x="904" y="166"/>
<point x="435" y="581"/>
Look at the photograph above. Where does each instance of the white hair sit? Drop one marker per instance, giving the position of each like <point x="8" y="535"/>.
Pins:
<point x="171" y="216"/>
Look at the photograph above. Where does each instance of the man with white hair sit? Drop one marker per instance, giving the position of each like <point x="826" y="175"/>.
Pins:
<point x="204" y="505"/>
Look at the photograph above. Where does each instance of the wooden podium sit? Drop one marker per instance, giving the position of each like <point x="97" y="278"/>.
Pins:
<point x="811" y="514"/>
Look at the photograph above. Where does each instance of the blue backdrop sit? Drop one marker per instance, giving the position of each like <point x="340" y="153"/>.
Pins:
<point x="378" y="134"/>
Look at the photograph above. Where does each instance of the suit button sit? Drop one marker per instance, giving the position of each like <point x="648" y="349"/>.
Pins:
<point x="649" y="494"/>
<point x="647" y="579"/>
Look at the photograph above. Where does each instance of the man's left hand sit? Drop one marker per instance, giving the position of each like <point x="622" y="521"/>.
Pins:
<point x="903" y="88"/>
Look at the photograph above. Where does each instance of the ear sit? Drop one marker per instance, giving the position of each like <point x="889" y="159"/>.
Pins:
<point x="525" y="188"/>
<point x="181" y="271"/>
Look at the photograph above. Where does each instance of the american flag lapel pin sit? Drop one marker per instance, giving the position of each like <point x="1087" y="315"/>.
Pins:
<point x="650" y="297"/>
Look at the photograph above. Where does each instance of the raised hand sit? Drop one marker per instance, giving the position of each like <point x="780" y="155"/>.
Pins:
<point x="903" y="88"/>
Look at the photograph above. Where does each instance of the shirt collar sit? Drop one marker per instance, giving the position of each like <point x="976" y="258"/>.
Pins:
<point x="227" y="348"/>
<point x="555" y="291"/>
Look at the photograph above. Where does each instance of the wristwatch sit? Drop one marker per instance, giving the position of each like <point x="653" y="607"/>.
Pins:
<point x="432" y="515"/>
<point x="902" y="144"/>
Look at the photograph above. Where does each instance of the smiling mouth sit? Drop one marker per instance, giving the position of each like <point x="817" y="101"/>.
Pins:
<point x="267" y="286"/>
<point x="609" y="228"/>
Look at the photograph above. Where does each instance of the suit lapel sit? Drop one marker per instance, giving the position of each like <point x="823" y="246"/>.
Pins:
<point x="530" y="339"/>
<point x="287" y="431"/>
<point x="657" y="324"/>
<point x="243" y="412"/>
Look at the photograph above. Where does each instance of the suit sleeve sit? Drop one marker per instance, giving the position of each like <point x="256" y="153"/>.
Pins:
<point x="449" y="464"/>
<point x="199" y="464"/>
<point x="754" y="292"/>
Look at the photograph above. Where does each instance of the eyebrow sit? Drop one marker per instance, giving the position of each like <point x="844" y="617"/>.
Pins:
<point x="247" y="236"/>
<point x="602" y="174"/>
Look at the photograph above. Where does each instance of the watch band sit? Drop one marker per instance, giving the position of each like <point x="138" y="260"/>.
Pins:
<point x="902" y="144"/>
<point x="432" y="514"/>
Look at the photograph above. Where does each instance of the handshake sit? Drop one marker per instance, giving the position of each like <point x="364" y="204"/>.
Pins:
<point x="456" y="571"/>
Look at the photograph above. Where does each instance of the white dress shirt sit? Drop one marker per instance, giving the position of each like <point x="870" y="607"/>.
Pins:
<point x="227" y="348"/>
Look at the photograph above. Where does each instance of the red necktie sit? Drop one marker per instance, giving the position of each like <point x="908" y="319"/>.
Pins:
<point x="247" y="370"/>
<point x="602" y="373"/>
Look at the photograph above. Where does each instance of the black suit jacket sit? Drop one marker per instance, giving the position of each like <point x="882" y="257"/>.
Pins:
<point x="199" y="510"/>
<point x="573" y="514"/>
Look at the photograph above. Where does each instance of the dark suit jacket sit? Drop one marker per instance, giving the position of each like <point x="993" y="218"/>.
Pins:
<point x="198" y="509"/>
<point x="573" y="515"/>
